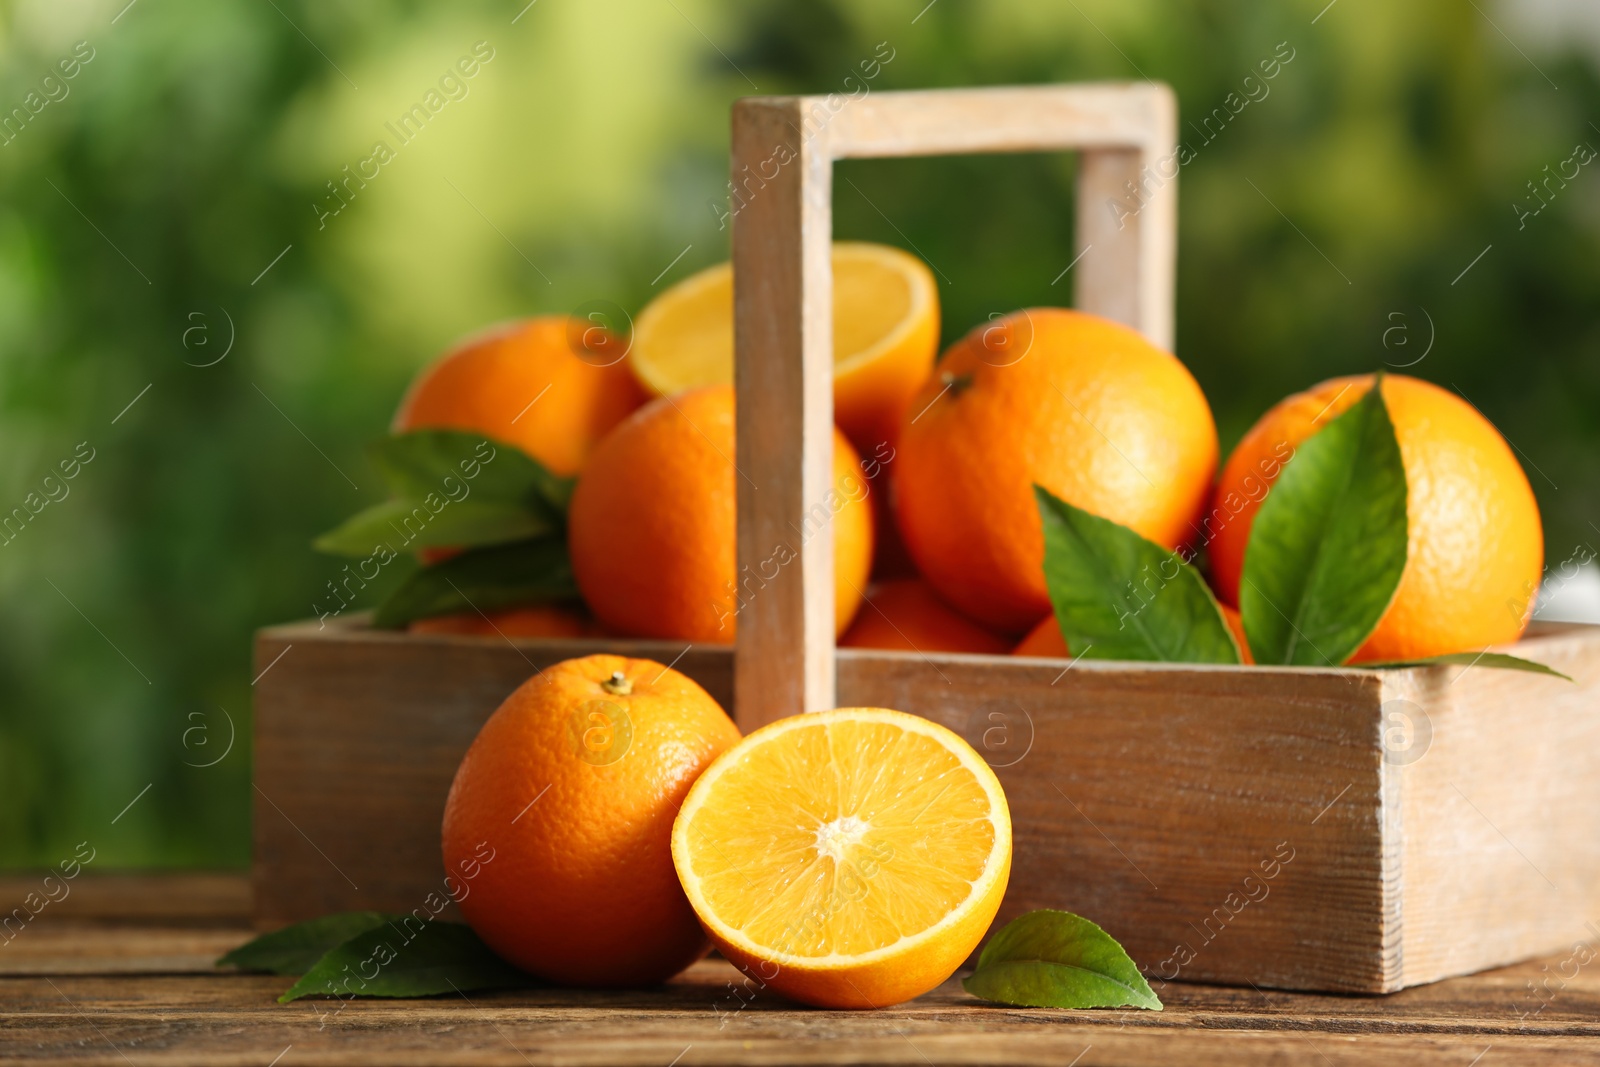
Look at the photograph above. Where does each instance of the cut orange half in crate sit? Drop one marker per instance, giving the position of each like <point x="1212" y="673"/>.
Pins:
<point x="885" y="336"/>
<point x="847" y="859"/>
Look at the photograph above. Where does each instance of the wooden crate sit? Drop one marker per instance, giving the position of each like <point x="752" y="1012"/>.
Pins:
<point x="1142" y="795"/>
<point x="1327" y="829"/>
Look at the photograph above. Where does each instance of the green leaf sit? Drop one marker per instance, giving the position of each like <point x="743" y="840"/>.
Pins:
<point x="296" y="949"/>
<point x="483" y="579"/>
<point x="408" y="958"/>
<point x="1119" y="596"/>
<point x="417" y="463"/>
<point x="1472" y="659"/>
<point x="1055" y="959"/>
<point x="456" y="490"/>
<point x="1328" y="544"/>
<point x="403" y="525"/>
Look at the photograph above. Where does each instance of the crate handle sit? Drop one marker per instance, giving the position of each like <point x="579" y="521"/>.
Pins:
<point x="782" y="213"/>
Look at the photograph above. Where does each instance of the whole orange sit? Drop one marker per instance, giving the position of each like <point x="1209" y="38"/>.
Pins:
<point x="905" y="614"/>
<point x="552" y="386"/>
<point x="1083" y="406"/>
<point x="559" y="822"/>
<point x="1045" y="639"/>
<point x="1476" y="543"/>
<point x="651" y="527"/>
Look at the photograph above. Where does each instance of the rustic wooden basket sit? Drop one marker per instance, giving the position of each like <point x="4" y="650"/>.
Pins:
<point x="1327" y="829"/>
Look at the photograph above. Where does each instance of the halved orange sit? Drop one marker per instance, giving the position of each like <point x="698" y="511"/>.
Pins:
<point x="847" y="859"/>
<point x="885" y="335"/>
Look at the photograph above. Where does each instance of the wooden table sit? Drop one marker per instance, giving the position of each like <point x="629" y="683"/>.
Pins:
<point x="120" y="973"/>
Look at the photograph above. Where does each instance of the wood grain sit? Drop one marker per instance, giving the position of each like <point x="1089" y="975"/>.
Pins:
<point x="783" y="375"/>
<point x="67" y="946"/>
<point x="154" y="1016"/>
<point x="1496" y="824"/>
<point x="1126" y="240"/>
<point x="1031" y="118"/>
<point x="193" y="896"/>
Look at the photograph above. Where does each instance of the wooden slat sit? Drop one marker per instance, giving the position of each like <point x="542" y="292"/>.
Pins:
<point x="783" y="374"/>
<point x="1498" y="822"/>
<point x="58" y="946"/>
<point x="1127" y="197"/>
<point x="1036" y="118"/>
<point x="1125" y="239"/>
<point x="156" y="1018"/>
<point x="220" y="896"/>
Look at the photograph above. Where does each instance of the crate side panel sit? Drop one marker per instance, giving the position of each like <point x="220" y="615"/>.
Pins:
<point x="357" y="737"/>
<point x="1224" y="824"/>
<point x="1502" y="809"/>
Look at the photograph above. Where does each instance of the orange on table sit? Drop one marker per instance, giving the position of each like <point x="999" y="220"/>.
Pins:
<point x="552" y="386"/>
<point x="1476" y="541"/>
<point x="651" y="526"/>
<point x="559" y="822"/>
<point x="1081" y="405"/>
<point x="1045" y="639"/>
<point x="533" y="620"/>
<point x="885" y="335"/>
<point x="848" y="859"/>
<point x="906" y="614"/>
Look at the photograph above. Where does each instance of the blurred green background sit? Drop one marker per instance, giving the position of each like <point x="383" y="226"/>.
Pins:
<point x="164" y="203"/>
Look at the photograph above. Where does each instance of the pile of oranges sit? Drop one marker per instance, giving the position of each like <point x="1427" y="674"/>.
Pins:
<point x="938" y="544"/>
<point x="855" y="857"/>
